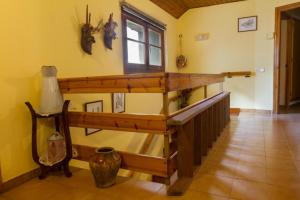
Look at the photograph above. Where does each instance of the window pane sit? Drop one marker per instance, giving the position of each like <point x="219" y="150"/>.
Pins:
<point x="154" y="56"/>
<point x="154" y="38"/>
<point x="136" y="52"/>
<point x="135" y="31"/>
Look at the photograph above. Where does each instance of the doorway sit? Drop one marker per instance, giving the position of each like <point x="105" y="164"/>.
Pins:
<point x="287" y="59"/>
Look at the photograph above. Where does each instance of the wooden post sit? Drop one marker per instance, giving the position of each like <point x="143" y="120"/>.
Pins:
<point x="204" y="129"/>
<point x="197" y="140"/>
<point x="165" y="104"/>
<point x="185" y="158"/>
<point x="205" y="91"/>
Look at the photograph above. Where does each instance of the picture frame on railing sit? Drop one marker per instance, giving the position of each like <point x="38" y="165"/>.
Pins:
<point x="118" y="102"/>
<point x="94" y="106"/>
<point x="246" y="24"/>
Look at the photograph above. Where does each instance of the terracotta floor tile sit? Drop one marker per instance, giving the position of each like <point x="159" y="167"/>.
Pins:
<point x="282" y="193"/>
<point x="285" y="154"/>
<point x="252" y="160"/>
<point x="251" y="173"/>
<point x="189" y="195"/>
<point x="273" y="163"/>
<point x="217" y="185"/>
<point x="285" y="178"/>
<point x="256" y="157"/>
<point x="224" y="168"/>
<point x="248" y="190"/>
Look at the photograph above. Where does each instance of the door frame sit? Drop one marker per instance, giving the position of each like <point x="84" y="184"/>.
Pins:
<point x="277" y="50"/>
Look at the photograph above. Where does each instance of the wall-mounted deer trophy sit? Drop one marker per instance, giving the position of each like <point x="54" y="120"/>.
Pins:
<point x="109" y="32"/>
<point x="87" y="31"/>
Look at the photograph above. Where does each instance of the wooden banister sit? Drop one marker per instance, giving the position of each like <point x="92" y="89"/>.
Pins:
<point x="197" y="128"/>
<point x="240" y="73"/>
<point x="138" y="83"/>
<point x="192" y="129"/>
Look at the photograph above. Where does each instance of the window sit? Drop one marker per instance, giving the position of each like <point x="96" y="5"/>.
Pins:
<point x="143" y="43"/>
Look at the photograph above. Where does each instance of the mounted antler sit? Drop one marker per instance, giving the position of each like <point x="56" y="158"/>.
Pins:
<point x="87" y="31"/>
<point x="109" y="32"/>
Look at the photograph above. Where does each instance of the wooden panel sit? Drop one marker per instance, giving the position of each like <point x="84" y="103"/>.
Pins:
<point x="203" y="3"/>
<point x="175" y="8"/>
<point x="142" y="163"/>
<point x="135" y="83"/>
<point x="178" y="7"/>
<point x="178" y="81"/>
<point x="118" y="121"/>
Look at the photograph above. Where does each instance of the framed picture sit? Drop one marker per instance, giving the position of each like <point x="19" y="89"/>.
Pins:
<point x="95" y="106"/>
<point x="247" y="24"/>
<point x="118" y="102"/>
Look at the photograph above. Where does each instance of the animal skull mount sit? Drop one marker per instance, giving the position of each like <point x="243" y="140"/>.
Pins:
<point x="87" y="31"/>
<point x="109" y="32"/>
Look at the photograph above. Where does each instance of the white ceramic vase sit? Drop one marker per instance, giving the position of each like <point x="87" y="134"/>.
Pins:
<point x="51" y="98"/>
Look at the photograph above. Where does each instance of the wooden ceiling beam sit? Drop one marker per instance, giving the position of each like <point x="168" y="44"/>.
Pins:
<point x="178" y="7"/>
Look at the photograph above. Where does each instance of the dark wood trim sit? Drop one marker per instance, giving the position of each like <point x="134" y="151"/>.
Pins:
<point x="112" y="103"/>
<point x="131" y="68"/>
<point x="19" y="180"/>
<point x="235" y="111"/>
<point x="277" y="50"/>
<point x="242" y="73"/>
<point x="85" y="109"/>
<point x="142" y="15"/>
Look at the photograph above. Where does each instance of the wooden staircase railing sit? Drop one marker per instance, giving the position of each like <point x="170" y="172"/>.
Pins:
<point x="197" y="128"/>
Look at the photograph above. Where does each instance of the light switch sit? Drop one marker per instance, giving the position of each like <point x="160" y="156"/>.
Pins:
<point x="261" y="70"/>
<point x="270" y="36"/>
<point x="202" y="37"/>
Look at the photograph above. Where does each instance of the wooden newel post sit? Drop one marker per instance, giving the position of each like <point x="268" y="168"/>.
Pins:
<point x="62" y="126"/>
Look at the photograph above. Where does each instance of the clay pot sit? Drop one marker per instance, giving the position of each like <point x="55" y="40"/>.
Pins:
<point x="105" y="165"/>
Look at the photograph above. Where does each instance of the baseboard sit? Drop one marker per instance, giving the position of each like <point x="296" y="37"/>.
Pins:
<point x="257" y="111"/>
<point x="19" y="180"/>
<point x="235" y="111"/>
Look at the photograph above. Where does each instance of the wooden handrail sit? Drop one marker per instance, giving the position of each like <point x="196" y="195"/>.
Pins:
<point x="198" y="127"/>
<point x="186" y="114"/>
<point x="246" y="74"/>
<point x="138" y="83"/>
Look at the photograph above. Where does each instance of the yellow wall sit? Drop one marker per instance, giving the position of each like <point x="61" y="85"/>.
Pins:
<point x="228" y="50"/>
<point x="36" y="33"/>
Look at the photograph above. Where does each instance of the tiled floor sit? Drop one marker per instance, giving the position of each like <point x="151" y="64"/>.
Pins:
<point x="257" y="157"/>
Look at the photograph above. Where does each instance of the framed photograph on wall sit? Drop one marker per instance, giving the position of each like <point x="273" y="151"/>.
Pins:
<point x="95" y="106"/>
<point x="118" y="102"/>
<point x="247" y="24"/>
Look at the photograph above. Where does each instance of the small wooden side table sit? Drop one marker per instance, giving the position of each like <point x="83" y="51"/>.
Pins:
<point x="61" y="124"/>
